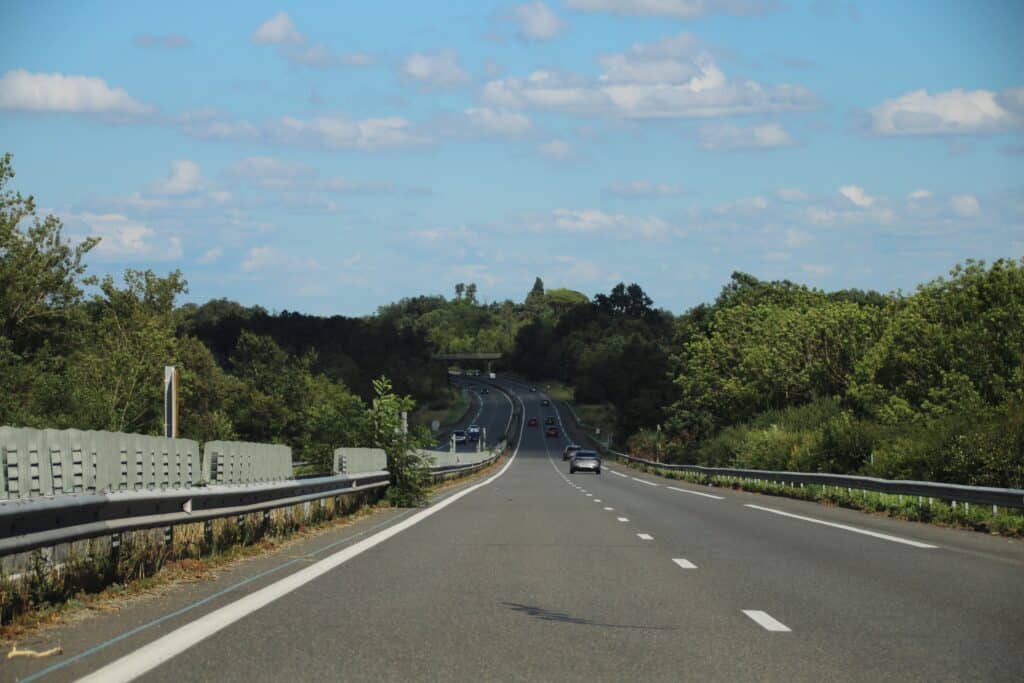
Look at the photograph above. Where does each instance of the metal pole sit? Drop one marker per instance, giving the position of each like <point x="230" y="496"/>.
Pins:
<point x="171" y="383"/>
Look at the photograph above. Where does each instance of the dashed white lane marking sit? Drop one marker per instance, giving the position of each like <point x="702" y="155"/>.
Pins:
<point x="844" y="527"/>
<point x="597" y="500"/>
<point x="696" y="493"/>
<point x="685" y="564"/>
<point x="649" y="483"/>
<point x="590" y="494"/>
<point x="623" y="519"/>
<point x="645" y="537"/>
<point x="609" y="509"/>
<point x="618" y="474"/>
<point x="766" y="621"/>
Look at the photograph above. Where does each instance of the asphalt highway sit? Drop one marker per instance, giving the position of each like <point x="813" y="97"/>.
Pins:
<point x="529" y="573"/>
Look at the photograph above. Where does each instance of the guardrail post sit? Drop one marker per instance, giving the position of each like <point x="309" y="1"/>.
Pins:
<point x="115" y="546"/>
<point x="208" y="533"/>
<point x="168" y="537"/>
<point x="266" y="521"/>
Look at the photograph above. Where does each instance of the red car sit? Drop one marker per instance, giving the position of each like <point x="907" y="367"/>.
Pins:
<point x="532" y="422"/>
<point x="551" y="431"/>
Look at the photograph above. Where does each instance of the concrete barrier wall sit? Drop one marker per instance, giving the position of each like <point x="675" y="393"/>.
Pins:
<point x="241" y="462"/>
<point x="357" y="460"/>
<point x="49" y="462"/>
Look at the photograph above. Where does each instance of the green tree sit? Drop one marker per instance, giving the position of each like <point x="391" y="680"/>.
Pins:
<point x="387" y="430"/>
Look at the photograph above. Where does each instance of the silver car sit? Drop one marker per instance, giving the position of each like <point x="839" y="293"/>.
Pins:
<point x="585" y="461"/>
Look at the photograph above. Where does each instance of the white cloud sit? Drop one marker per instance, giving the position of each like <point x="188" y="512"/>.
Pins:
<point x="745" y="206"/>
<point x="675" y="9"/>
<point x="948" y="113"/>
<point x="461" y="234"/>
<point x="791" y="194"/>
<point x="965" y="205"/>
<point x="556" y="150"/>
<point x="597" y="221"/>
<point x="277" y="30"/>
<point x="340" y="133"/>
<point x="728" y="137"/>
<point x="21" y="90"/>
<point x="211" y="255"/>
<point x="579" y="270"/>
<point x="537" y="21"/>
<point x="674" y="77"/>
<point x="642" y="188"/>
<point x="125" y="239"/>
<point x="857" y="195"/>
<point x="919" y="194"/>
<point x="436" y="70"/>
<point x="497" y="121"/>
<point x="185" y="177"/>
<point x="271" y="258"/>
<point x="797" y="238"/>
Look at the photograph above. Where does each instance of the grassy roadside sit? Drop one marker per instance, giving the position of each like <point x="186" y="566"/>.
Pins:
<point x="910" y="508"/>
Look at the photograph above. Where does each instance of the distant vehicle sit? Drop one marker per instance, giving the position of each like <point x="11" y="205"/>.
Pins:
<point x="532" y="422"/>
<point x="473" y="433"/>
<point x="570" y="450"/>
<point x="459" y="436"/>
<point x="588" y="461"/>
<point x="484" y="391"/>
<point x="549" y="420"/>
<point x="545" y="402"/>
<point x="533" y="388"/>
<point x="551" y="431"/>
<point x="492" y="375"/>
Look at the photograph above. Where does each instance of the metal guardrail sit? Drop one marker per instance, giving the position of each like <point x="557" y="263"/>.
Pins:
<point x="955" y="493"/>
<point x="40" y="522"/>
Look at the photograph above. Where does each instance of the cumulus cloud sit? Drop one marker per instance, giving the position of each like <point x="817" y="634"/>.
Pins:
<point x="954" y="112"/>
<point x="337" y="132"/>
<point x="501" y="122"/>
<point x="271" y="258"/>
<point x="278" y="30"/>
<point x="857" y="195"/>
<point x="185" y="177"/>
<point x="965" y="205"/>
<point x="638" y="189"/>
<point x="125" y="239"/>
<point x="556" y="150"/>
<point x="22" y="90"/>
<point x="917" y="195"/>
<point x="675" y="9"/>
<point x="728" y="137"/>
<point x="435" y="70"/>
<point x="168" y="42"/>
<point x="211" y="256"/>
<point x="596" y="221"/>
<point x="674" y="77"/>
<point x="537" y="21"/>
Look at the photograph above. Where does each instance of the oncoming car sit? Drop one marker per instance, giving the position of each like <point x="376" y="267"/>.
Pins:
<point x="459" y="436"/>
<point x="585" y="461"/>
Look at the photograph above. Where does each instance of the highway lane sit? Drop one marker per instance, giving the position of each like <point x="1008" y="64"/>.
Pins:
<point x="533" y="577"/>
<point x="491" y="411"/>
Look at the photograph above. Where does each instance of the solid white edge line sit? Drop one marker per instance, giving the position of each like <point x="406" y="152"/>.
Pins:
<point x="619" y="474"/>
<point x="844" y="527"/>
<point x="623" y="519"/>
<point x="645" y="537"/>
<point x="649" y="483"/>
<point x="696" y="493"/>
<point x="685" y="564"/>
<point x="767" y="621"/>
<point x="152" y="655"/>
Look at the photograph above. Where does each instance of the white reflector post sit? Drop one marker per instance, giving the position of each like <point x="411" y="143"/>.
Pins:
<point x="171" y="401"/>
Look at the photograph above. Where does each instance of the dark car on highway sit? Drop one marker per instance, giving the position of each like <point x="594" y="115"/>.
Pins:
<point x="570" y="450"/>
<point x="551" y="431"/>
<point x="549" y="420"/>
<point x="459" y="436"/>
<point x="585" y="461"/>
<point x="532" y="422"/>
<point x="545" y="402"/>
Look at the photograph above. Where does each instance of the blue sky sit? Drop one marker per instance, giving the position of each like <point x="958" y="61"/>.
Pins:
<point x="333" y="157"/>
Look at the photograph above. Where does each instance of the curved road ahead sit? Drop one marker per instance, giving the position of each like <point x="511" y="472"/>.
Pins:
<point x="532" y="574"/>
